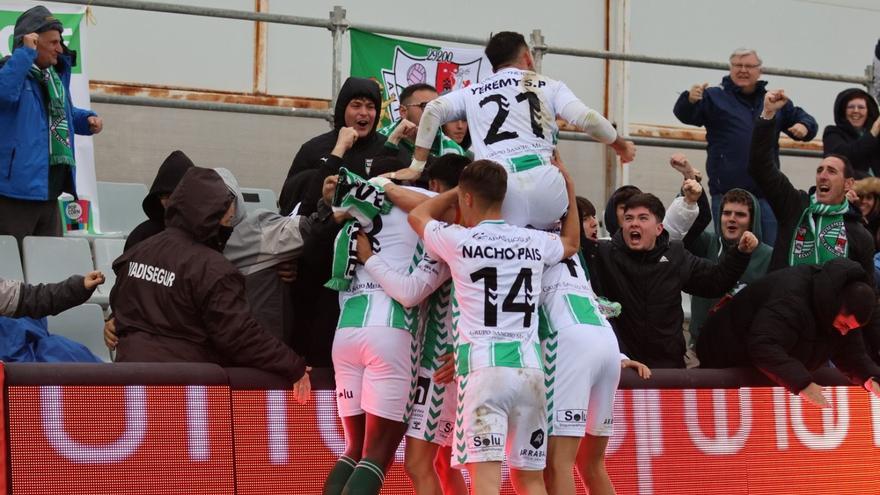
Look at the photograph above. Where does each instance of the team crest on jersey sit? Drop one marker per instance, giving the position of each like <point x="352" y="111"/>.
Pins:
<point x="444" y="68"/>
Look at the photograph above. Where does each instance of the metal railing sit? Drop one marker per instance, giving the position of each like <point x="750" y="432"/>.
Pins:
<point x="337" y="23"/>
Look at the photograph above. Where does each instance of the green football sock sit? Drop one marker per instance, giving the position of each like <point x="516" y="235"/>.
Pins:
<point x="339" y="475"/>
<point x="366" y="479"/>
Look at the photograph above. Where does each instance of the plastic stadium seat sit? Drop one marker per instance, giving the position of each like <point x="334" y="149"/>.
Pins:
<point x="53" y="259"/>
<point x="259" y="199"/>
<point x="119" y="205"/>
<point x="106" y="251"/>
<point x="10" y="259"/>
<point x="83" y="324"/>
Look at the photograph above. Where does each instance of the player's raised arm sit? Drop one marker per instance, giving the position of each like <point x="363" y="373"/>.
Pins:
<point x="439" y="111"/>
<point x="598" y="127"/>
<point x="433" y="209"/>
<point x="571" y="230"/>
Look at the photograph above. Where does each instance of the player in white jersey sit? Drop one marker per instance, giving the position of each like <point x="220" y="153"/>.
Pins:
<point x="429" y="434"/>
<point x="582" y="362"/>
<point x="496" y="270"/>
<point x="374" y="358"/>
<point x="512" y="120"/>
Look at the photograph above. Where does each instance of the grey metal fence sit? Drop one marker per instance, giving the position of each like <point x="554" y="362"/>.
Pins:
<point x="337" y="23"/>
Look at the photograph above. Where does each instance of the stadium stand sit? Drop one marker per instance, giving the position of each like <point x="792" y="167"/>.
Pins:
<point x="105" y="252"/>
<point x="52" y="259"/>
<point x="259" y="199"/>
<point x="120" y="205"/>
<point x="10" y="259"/>
<point x="83" y="324"/>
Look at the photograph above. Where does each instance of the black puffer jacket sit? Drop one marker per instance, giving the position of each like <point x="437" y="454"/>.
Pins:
<point x="648" y="285"/>
<point x="860" y="146"/>
<point x="177" y="298"/>
<point x="782" y="324"/>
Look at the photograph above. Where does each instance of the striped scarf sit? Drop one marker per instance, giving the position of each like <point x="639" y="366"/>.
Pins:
<point x="820" y="234"/>
<point x="364" y="202"/>
<point x="60" y="150"/>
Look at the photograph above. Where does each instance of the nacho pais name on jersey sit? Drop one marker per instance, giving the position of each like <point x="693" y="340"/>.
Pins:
<point x="500" y="253"/>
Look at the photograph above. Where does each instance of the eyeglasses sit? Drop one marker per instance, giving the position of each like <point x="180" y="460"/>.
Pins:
<point x="421" y="105"/>
<point x="745" y="66"/>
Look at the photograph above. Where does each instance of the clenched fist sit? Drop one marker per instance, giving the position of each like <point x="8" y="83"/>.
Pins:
<point x="695" y="94"/>
<point x="30" y="40"/>
<point x="747" y="243"/>
<point x="773" y="101"/>
<point x="692" y="190"/>
<point x="93" y="279"/>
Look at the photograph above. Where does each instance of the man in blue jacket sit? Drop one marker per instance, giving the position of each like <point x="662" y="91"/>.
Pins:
<point x="728" y="112"/>
<point x="37" y="124"/>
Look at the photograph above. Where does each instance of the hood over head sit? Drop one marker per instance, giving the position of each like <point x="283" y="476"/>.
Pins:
<point x="755" y="226"/>
<point x="198" y="204"/>
<point x="356" y="87"/>
<point x="843" y="99"/>
<point x="34" y="20"/>
<point x="232" y="186"/>
<point x="169" y="175"/>
<point x="620" y="195"/>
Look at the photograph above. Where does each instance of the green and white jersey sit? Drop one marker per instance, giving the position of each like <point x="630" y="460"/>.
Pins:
<point x="567" y="298"/>
<point x="365" y="303"/>
<point x="443" y="144"/>
<point x="496" y="270"/>
<point x="511" y="116"/>
<point x="428" y="283"/>
<point x="437" y="323"/>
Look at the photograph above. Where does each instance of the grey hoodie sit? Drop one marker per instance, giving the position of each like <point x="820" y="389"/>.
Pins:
<point x="262" y="238"/>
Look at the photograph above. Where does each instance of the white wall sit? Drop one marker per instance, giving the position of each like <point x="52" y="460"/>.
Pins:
<point x="155" y="48"/>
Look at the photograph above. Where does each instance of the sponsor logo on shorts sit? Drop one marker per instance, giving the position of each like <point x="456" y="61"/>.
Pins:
<point x="571" y="416"/>
<point x="423" y="386"/>
<point x="345" y="394"/>
<point x="415" y="425"/>
<point x="446" y="427"/>
<point x="487" y="441"/>
<point x="537" y="439"/>
<point x="608" y="421"/>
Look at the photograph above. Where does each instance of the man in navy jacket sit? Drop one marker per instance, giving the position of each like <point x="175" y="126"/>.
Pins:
<point x="37" y="125"/>
<point x="728" y="112"/>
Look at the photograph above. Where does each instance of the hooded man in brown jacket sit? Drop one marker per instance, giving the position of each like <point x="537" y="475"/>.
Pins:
<point x="177" y="298"/>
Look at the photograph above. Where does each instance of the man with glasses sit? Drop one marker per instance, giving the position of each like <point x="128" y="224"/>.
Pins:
<point x="402" y="133"/>
<point x="728" y="112"/>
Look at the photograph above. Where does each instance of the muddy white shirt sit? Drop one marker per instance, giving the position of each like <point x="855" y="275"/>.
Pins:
<point x="496" y="271"/>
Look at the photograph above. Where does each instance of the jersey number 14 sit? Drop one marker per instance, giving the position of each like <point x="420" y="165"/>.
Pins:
<point x="523" y="283"/>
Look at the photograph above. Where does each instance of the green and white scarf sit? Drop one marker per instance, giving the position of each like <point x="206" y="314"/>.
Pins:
<point x="443" y="144"/>
<point x="364" y="202"/>
<point x="60" y="151"/>
<point x="820" y="234"/>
